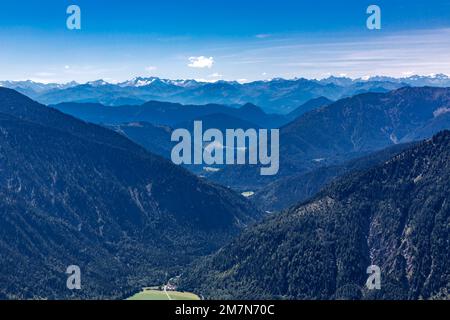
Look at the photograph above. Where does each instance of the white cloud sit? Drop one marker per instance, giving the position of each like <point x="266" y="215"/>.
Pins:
<point x="441" y="111"/>
<point x="45" y="74"/>
<point x="206" y="80"/>
<point x="150" y="68"/>
<point x="263" y="36"/>
<point x="216" y="75"/>
<point x="201" y="62"/>
<point x="111" y="80"/>
<point x="41" y="80"/>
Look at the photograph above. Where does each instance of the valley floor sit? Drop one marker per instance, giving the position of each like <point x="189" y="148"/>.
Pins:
<point x="154" y="294"/>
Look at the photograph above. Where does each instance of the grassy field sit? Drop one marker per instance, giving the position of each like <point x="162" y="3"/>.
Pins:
<point x="152" y="294"/>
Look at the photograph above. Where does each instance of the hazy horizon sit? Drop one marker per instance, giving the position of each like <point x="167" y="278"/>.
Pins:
<point x="241" y="82"/>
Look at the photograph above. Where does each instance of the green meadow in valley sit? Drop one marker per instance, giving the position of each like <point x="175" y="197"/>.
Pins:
<point x="152" y="294"/>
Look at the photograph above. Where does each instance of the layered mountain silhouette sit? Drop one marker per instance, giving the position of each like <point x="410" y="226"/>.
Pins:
<point x="274" y="96"/>
<point x="326" y="136"/>
<point x="309" y="106"/>
<point x="394" y="216"/>
<point x="152" y="123"/>
<point x="173" y="114"/>
<point x="74" y="193"/>
<point x="154" y="138"/>
<point x="348" y="129"/>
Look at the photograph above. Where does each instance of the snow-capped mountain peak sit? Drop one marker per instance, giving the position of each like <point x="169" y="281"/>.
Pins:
<point x="98" y="83"/>
<point x="142" y="82"/>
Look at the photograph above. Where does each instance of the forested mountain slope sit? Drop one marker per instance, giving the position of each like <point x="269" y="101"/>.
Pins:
<point x="396" y="216"/>
<point x="73" y="193"/>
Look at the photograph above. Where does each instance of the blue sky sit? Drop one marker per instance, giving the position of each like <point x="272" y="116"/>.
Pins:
<point x="221" y="39"/>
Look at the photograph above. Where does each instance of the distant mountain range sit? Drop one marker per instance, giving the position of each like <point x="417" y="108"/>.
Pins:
<point x="395" y="216"/>
<point x="74" y="193"/>
<point x="273" y="96"/>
